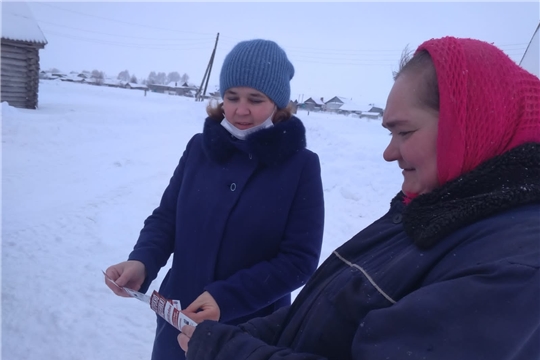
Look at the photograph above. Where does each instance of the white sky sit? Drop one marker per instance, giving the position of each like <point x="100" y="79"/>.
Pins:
<point x="345" y="49"/>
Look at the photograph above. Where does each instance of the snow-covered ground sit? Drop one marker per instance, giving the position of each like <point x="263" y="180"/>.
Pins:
<point x="81" y="173"/>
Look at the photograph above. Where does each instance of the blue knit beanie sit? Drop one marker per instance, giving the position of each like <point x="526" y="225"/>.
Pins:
<point x="259" y="64"/>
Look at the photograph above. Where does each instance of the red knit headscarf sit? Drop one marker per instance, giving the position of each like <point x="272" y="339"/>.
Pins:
<point x="488" y="104"/>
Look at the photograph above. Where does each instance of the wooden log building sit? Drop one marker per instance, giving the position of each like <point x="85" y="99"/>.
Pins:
<point x="20" y="44"/>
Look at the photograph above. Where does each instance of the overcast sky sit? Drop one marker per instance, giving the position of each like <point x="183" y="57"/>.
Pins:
<point x="345" y="49"/>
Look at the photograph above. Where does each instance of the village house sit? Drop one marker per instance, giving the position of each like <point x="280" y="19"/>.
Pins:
<point x="134" y="86"/>
<point x="370" y="115"/>
<point x="73" y="78"/>
<point x="313" y="103"/>
<point x="336" y="103"/>
<point x="350" y="108"/>
<point x="20" y="44"/>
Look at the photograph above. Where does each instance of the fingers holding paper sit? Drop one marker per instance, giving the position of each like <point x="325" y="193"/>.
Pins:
<point x="203" y="308"/>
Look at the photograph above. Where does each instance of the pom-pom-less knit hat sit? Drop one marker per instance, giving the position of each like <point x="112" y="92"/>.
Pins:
<point x="488" y="104"/>
<point x="259" y="64"/>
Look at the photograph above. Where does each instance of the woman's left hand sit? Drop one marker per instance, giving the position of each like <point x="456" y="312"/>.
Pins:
<point x="184" y="336"/>
<point x="203" y="308"/>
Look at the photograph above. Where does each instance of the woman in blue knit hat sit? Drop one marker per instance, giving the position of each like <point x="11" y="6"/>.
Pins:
<point x="243" y="213"/>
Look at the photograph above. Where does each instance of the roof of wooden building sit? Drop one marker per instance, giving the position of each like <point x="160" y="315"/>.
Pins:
<point x="18" y="24"/>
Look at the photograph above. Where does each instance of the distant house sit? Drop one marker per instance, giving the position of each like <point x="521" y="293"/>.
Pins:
<point x="336" y="102"/>
<point x="135" y="86"/>
<point x="46" y="75"/>
<point x="313" y="103"/>
<point x="20" y="44"/>
<point x="350" y="108"/>
<point x="58" y="75"/>
<point x="159" y="88"/>
<point x="92" y="81"/>
<point x="174" y="88"/>
<point x="375" y="109"/>
<point x="113" y="83"/>
<point x="191" y="90"/>
<point x="73" y="78"/>
<point x="531" y="58"/>
<point x="370" y="115"/>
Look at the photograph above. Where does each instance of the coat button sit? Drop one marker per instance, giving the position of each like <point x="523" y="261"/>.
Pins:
<point x="397" y="218"/>
<point x="233" y="186"/>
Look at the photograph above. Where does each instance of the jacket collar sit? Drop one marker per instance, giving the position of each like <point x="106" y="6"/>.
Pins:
<point x="501" y="183"/>
<point x="271" y="146"/>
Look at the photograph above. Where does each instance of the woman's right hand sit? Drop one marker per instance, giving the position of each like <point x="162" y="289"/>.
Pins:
<point x="130" y="274"/>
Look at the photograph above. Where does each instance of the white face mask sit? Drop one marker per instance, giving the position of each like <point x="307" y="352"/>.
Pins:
<point x="242" y="134"/>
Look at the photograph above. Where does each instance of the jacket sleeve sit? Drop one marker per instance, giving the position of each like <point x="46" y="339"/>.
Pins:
<point x="492" y="314"/>
<point x="217" y="341"/>
<point x="266" y="328"/>
<point x="156" y="240"/>
<point x="254" y="288"/>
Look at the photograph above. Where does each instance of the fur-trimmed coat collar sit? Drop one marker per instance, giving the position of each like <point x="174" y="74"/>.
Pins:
<point x="501" y="183"/>
<point x="271" y="146"/>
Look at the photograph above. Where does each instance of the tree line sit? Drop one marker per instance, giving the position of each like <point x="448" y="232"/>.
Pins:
<point x="159" y="78"/>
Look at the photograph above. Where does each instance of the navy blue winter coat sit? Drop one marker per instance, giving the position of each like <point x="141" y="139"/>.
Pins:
<point x="453" y="275"/>
<point x="244" y="220"/>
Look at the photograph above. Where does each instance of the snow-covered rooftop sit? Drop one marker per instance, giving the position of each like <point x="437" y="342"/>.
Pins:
<point x="336" y="99"/>
<point x="368" y="113"/>
<point x="19" y="24"/>
<point x="316" y="99"/>
<point x="350" y="106"/>
<point x="137" y="86"/>
<point x="174" y="84"/>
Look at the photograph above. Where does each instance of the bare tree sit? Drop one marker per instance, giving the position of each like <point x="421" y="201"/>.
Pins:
<point x="99" y="76"/>
<point x="152" y="78"/>
<point x="173" y="77"/>
<point x="185" y="78"/>
<point x="161" y="78"/>
<point x="133" y="79"/>
<point x="123" y="75"/>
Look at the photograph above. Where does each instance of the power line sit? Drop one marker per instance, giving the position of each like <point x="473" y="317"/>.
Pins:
<point x="396" y="63"/>
<point x="128" y="45"/>
<point x="298" y="49"/>
<point x="351" y="60"/>
<point x="121" y="21"/>
<point x="117" y="35"/>
<point x="385" y="54"/>
<point x="361" y="57"/>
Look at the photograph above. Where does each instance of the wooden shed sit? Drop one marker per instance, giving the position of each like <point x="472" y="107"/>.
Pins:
<point x="20" y="44"/>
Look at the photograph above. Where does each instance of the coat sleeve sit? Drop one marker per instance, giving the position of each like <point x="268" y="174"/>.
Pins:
<point x="217" y="341"/>
<point x="492" y="314"/>
<point x="156" y="240"/>
<point x="254" y="288"/>
<point x="266" y="328"/>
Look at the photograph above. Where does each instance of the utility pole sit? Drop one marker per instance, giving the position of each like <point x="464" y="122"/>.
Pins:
<point x="207" y="73"/>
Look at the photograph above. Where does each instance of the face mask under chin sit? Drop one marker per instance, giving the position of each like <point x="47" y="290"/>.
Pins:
<point x="242" y="134"/>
